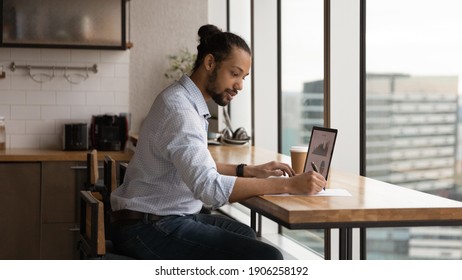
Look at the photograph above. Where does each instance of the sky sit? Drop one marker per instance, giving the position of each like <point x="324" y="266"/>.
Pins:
<point x="417" y="37"/>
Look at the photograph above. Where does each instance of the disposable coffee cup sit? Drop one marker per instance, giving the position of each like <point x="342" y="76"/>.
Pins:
<point x="298" y="157"/>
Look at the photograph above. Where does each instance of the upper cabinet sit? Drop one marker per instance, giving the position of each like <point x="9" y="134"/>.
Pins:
<point x="87" y="24"/>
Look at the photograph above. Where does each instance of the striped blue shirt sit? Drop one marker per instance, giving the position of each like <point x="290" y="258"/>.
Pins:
<point x="172" y="171"/>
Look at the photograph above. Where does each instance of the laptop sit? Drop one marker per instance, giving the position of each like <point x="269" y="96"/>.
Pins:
<point x="321" y="149"/>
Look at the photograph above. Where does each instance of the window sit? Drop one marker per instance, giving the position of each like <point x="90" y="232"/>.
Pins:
<point x="302" y="70"/>
<point x="302" y="85"/>
<point x="413" y="70"/>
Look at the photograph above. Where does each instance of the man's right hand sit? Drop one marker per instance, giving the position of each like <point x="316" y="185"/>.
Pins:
<point x="307" y="183"/>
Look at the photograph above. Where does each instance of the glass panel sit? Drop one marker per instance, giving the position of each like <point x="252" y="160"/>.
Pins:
<point x="414" y="63"/>
<point x="57" y="22"/>
<point x="302" y="72"/>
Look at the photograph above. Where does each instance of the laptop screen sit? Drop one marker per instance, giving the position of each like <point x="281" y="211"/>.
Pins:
<point x="321" y="149"/>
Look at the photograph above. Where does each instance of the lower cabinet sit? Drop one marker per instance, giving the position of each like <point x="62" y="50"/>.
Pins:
<point x="59" y="241"/>
<point x="39" y="209"/>
<point x="20" y="210"/>
<point x="61" y="183"/>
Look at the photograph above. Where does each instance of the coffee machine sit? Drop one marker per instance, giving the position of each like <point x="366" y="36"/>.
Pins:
<point x="109" y="132"/>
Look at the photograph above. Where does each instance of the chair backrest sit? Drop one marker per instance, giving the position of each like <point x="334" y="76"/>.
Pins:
<point x="110" y="183"/>
<point x="92" y="233"/>
<point x="122" y="170"/>
<point x="92" y="167"/>
<point x="93" y="243"/>
<point x="110" y="175"/>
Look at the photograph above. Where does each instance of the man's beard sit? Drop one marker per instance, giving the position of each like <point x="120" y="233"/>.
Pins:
<point x="218" y="97"/>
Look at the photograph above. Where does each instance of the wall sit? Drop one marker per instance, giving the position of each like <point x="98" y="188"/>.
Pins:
<point x="127" y="81"/>
<point x="36" y="112"/>
<point x="158" y="29"/>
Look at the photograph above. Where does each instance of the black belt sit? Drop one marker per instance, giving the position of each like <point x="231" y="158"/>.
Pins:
<point x="130" y="215"/>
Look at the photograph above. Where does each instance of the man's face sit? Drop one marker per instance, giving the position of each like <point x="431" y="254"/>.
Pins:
<point x="227" y="77"/>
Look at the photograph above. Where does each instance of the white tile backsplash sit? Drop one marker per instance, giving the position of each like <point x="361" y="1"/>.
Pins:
<point x="55" y="112"/>
<point x="5" y="83"/>
<point x="24" y="81"/>
<point x="84" y="112"/>
<point x="5" y="111"/>
<point x="25" y="112"/>
<point x="100" y="98"/>
<point x="92" y="83"/>
<point x="71" y="98"/>
<point x="29" y="141"/>
<point x="57" y="83"/>
<point x="122" y="70"/>
<point x="15" y="127"/>
<point x="114" y="83"/>
<point x="40" y="127"/>
<point x="40" y="97"/>
<point x="24" y="54"/>
<point x="106" y="70"/>
<point x="115" y="57"/>
<point x="121" y="98"/>
<point x="92" y="56"/>
<point x="13" y="97"/>
<point x="57" y="55"/>
<point x="36" y="112"/>
<point x="53" y="141"/>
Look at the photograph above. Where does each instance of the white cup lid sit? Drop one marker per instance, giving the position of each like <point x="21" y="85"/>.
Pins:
<point x="299" y="149"/>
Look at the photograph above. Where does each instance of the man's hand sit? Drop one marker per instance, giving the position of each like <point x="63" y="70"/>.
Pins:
<point x="272" y="168"/>
<point x="307" y="183"/>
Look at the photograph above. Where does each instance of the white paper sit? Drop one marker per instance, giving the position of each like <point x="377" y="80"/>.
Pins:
<point x="333" y="192"/>
<point x="327" y="192"/>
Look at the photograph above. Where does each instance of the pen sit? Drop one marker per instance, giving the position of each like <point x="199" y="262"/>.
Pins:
<point x="315" y="168"/>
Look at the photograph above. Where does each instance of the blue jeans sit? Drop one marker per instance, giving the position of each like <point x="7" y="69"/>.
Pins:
<point x="199" y="236"/>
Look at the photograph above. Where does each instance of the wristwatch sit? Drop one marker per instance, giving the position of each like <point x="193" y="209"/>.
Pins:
<point x="240" y="170"/>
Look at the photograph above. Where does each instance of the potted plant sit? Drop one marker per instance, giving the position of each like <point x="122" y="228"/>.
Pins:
<point x="180" y="63"/>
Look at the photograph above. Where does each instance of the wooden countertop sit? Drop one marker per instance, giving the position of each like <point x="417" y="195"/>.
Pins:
<point x="372" y="202"/>
<point x="21" y="155"/>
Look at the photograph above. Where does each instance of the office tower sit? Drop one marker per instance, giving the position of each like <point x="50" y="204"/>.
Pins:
<point x="411" y="130"/>
<point x="411" y="141"/>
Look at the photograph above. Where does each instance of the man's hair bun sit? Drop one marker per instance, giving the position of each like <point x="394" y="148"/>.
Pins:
<point x="207" y="30"/>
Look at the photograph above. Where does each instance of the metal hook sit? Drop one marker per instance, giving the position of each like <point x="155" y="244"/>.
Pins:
<point x="41" y="77"/>
<point x="81" y="76"/>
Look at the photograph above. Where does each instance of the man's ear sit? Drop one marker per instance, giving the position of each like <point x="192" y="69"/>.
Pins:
<point x="209" y="62"/>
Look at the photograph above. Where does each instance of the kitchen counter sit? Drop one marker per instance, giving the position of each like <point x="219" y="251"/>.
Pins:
<point x="40" y="194"/>
<point x="24" y="155"/>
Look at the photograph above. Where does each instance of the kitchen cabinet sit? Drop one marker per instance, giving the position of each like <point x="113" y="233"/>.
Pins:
<point x="39" y="202"/>
<point x="20" y="210"/>
<point x="91" y="24"/>
<point x="39" y="206"/>
<point x="61" y="183"/>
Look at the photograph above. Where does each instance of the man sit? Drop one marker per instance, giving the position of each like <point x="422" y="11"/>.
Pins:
<point x="172" y="174"/>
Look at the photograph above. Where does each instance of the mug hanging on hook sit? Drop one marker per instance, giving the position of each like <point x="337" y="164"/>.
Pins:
<point x="41" y="77"/>
<point x="80" y="77"/>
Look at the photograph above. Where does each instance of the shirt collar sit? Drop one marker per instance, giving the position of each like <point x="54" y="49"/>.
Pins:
<point x="196" y="96"/>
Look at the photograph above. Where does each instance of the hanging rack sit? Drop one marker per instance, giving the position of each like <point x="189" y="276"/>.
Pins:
<point x="45" y="77"/>
<point x="94" y="68"/>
